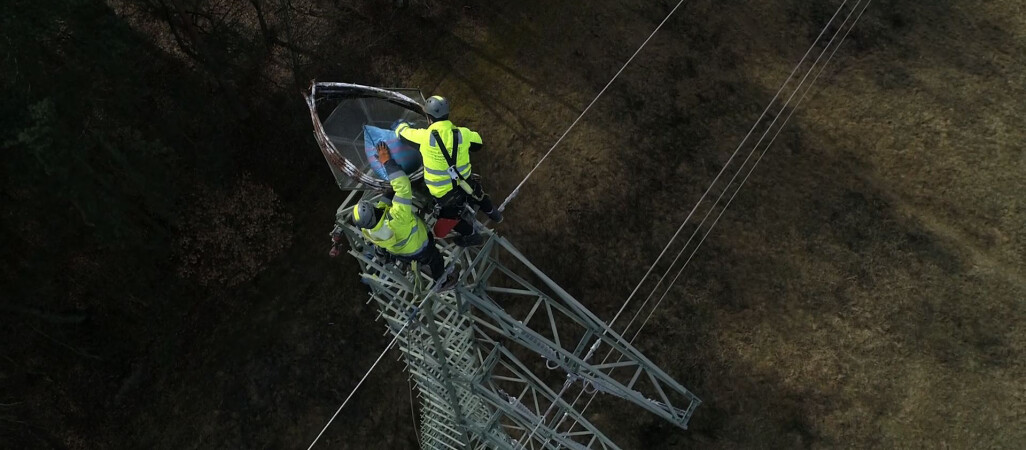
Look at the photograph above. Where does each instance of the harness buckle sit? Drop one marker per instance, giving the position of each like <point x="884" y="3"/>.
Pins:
<point x="453" y="174"/>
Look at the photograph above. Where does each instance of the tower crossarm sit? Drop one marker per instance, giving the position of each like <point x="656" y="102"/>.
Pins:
<point x="479" y="353"/>
<point x="554" y="325"/>
<point x="522" y="399"/>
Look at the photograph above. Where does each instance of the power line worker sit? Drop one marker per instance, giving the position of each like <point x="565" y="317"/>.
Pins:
<point x="445" y="150"/>
<point x="393" y="225"/>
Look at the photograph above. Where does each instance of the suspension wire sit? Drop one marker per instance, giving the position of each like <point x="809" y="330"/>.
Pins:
<point x="413" y="412"/>
<point x="706" y="193"/>
<point x="750" y="171"/>
<point x="718" y="175"/>
<point x="413" y="316"/>
<point x="755" y="148"/>
<point x="409" y="382"/>
<point x="376" y="361"/>
<point x="516" y="190"/>
<point x="595" y="346"/>
<point x="745" y="179"/>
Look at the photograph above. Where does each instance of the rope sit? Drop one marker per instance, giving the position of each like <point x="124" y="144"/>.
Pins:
<point x="516" y="190"/>
<point x="745" y="179"/>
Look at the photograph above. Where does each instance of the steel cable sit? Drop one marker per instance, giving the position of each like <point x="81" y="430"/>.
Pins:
<point x="516" y="190"/>
<point x="741" y="168"/>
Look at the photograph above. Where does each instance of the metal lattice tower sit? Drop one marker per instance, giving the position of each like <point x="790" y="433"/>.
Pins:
<point x="499" y="359"/>
<point x="463" y="349"/>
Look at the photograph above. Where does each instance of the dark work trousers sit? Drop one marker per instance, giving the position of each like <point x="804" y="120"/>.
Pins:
<point x="429" y="256"/>
<point x="453" y="202"/>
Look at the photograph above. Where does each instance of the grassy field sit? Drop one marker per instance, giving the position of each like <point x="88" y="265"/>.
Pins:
<point x="865" y="289"/>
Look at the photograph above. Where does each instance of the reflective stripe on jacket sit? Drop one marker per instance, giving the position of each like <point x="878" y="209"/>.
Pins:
<point x="436" y="174"/>
<point x="409" y="232"/>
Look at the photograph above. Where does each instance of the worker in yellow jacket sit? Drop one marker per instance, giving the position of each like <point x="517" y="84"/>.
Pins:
<point x="445" y="150"/>
<point x="394" y="226"/>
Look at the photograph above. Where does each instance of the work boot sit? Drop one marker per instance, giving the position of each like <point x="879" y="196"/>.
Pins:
<point x="495" y="215"/>
<point x="469" y="240"/>
<point x="450" y="282"/>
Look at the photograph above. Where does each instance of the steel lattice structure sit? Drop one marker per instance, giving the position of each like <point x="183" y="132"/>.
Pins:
<point x="492" y="357"/>
<point x="499" y="359"/>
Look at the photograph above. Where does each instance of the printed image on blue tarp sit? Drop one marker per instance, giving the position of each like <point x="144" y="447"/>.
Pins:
<point x="408" y="158"/>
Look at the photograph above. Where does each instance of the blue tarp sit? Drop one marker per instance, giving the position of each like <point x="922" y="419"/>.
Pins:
<point x="407" y="157"/>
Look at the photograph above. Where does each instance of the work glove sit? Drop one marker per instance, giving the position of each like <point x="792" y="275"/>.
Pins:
<point x="383" y="154"/>
<point x="397" y="123"/>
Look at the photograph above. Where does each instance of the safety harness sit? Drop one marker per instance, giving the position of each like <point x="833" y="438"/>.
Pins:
<point x="443" y="226"/>
<point x="454" y="175"/>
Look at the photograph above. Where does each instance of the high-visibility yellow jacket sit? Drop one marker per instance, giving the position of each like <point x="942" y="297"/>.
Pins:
<point x="409" y="232"/>
<point x="436" y="166"/>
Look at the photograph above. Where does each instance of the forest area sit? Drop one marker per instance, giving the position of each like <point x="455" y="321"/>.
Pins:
<point x="165" y="213"/>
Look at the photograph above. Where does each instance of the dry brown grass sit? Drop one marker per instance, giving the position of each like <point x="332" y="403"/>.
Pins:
<point x="865" y="290"/>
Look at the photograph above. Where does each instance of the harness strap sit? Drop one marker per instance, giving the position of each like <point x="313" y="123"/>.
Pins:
<point x="454" y="174"/>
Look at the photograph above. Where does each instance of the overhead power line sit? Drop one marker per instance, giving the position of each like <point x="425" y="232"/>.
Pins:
<point x="376" y="361"/>
<point x="830" y="46"/>
<point x="516" y="190"/>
